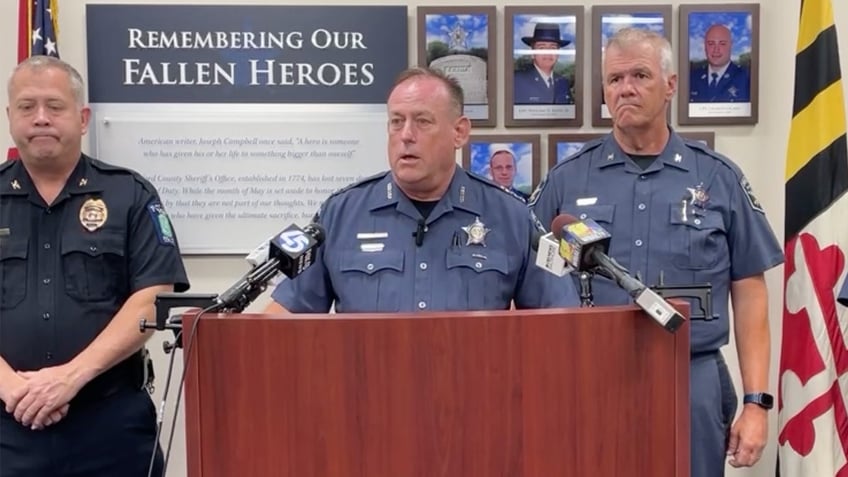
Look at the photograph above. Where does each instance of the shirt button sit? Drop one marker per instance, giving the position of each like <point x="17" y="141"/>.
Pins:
<point x="478" y="265"/>
<point x="583" y="216"/>
<point x="93" y="248"/>
<point x="49" y="355"/>
<point x="422" y="305"/>
<point x="697" y="221"/>
<point x="422" y="265"/>
<point x="45" y="316"/>
<point x="46" y="281"/>
<point x="643" y="177"/>
<point x="638" y="243"/>
<point x="47" y="246"/>
<point x="642" y="206"/>
<point x="48" y="211"/>
<point x="369" y="267"/>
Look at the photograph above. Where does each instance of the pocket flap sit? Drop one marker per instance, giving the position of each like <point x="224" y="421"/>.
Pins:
<point x="14" y="248"/>
<point x="598" y="213"/>
<point x="478" y="260"/>
<point x="704" y="220"/>
<point x="94" y="245"/>
<point x="372" y="262"/>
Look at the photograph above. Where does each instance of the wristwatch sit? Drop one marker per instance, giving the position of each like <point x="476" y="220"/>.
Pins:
<point x="764" y="400"/>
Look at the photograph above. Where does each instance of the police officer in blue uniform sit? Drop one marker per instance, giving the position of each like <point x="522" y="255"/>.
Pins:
<point x="540" y="84"/>
<point x="681" y="214"/>
<point x="720" y="80"/>
<point x="88" y="249"/>
<point x="426" y="235"/>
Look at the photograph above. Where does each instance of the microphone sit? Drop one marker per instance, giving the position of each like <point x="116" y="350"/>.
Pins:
<point x="290" y="252"/>
<point x="584" y="246"/>
<point x="547" y="255"/>
<point x="419" y="232"/>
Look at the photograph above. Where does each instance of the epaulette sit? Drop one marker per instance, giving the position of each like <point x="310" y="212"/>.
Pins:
<point x="587" y="146"/>
<point x="704" y="149"/>
<point x="113" y="169"/>
<point x="359" y="183"/>
<point x="491" y="183"/>
<point x="6" y="165"/>
<point x="376" y="177"/>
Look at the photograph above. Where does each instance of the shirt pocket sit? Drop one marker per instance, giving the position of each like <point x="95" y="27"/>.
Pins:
<point x="370" y="282"/>
<point x="603" y="214"/>
<point x="478" y="280"/>
<point x="698" y="241"/>
<point x="94" y="266"/>
<point x="13" y="272"/>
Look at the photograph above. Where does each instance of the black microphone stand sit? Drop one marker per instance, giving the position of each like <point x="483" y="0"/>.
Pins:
<point x="586" y="299"/>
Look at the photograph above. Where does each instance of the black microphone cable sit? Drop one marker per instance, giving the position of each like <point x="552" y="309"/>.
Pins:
<point x="161" y="412"/>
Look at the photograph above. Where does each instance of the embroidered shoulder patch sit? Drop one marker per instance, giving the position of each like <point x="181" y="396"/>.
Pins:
<point x="749" y="193"/>
<point x="161" y="223"/>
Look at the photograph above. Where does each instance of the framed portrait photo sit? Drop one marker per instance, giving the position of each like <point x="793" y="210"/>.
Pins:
<point x="606" y="21"/>
<point x="460" y="41"/>
<point x="718" y="74"/>
<point x="543" y="66"/>
<point x="510" y="160"/>
<point x="706" y="137"/>
<point x="561" y="146"/>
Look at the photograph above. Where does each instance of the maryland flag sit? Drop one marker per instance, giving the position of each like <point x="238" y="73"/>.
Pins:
<point x="813" y="379"/>
<point x="37" y="29"/>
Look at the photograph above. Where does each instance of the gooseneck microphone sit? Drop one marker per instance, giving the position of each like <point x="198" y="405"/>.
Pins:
<point x="584" y="245"/>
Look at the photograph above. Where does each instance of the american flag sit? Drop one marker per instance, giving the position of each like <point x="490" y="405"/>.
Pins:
<point x="37" y="29"/>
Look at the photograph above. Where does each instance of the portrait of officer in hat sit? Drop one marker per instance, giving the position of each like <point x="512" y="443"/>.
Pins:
<point x="540" y="84"/>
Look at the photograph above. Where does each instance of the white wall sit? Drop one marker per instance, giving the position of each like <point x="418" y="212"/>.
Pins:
<point x="760" y="150"/>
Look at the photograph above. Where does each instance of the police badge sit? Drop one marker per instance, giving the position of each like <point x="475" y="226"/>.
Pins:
<point x="476" y="232"/>
<point x="93" y="214"/>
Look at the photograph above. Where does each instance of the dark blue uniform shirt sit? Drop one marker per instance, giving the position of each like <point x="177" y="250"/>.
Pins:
<point x="734" y="86"/>
<point x="530" y="88"/>
<point x="690" y="217"/>
<point x="67" y="268"/>
<point x="475" y="254"/>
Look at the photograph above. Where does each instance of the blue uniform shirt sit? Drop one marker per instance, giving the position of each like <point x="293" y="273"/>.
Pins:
<point x="370" y="262"/>
<point x="720" y="235"/>
<point x="734" y="86"/>
<point x="530" y="88"/>
<point x="67" y="268"/>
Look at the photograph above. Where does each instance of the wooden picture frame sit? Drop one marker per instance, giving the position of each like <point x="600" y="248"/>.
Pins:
<point x="732" y="31"/>
<point x="460" y="41"/>
<point x="561" y="146"/>
<point x="481" y="149"/>
<point x="707" y="137"/>
<point x="529" y="100"/>
<point x="606" y="20"/>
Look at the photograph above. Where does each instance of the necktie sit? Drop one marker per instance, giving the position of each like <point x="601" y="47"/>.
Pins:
<point x="713" y="80"/>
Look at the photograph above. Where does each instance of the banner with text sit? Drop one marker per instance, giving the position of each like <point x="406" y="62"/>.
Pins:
<point x="245" y="118"/>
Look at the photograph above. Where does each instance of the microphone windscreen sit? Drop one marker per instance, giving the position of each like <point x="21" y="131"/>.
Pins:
<point x="561" y="221"/>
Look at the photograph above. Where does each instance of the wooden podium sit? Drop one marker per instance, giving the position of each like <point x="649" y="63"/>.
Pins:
<point x="590" y="392"/>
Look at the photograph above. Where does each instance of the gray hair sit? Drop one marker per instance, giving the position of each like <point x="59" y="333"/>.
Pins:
<point x="43" y="62"/>
<point x="628" y="37"/>
<point x="454" y="89"/>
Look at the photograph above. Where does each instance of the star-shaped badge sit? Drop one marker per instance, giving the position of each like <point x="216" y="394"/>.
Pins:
<point x="476" y="233"/>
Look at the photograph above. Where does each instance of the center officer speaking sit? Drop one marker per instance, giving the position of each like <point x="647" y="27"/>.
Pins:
<point x="426" y="235"/>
